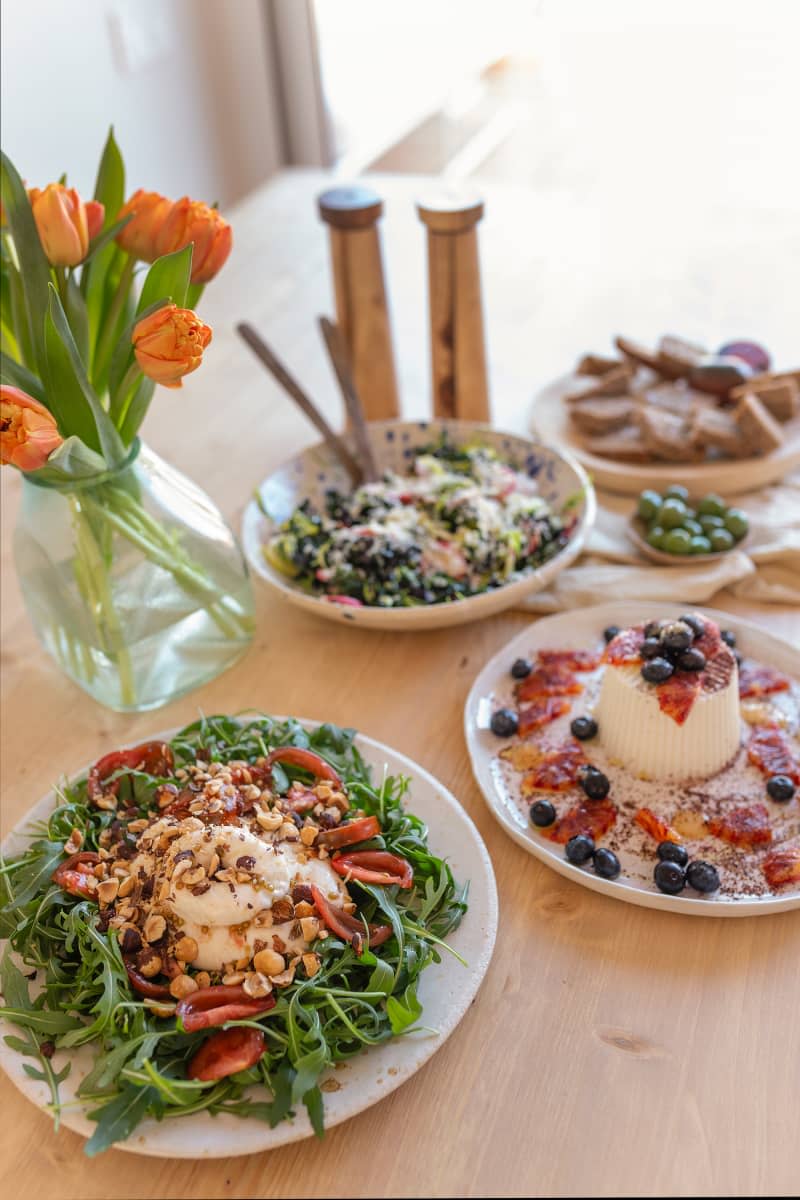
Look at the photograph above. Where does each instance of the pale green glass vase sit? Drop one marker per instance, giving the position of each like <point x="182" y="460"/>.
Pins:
<point x="133" y="581"/>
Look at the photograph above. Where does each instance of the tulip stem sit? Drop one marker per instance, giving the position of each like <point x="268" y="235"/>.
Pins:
<point x="61" y="280"/>
<point x="126" y="392"/>
<point x="105" y="344"/>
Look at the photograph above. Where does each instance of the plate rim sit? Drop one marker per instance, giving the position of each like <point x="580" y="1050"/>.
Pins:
<point x="425" y="616"/>
<point x="616" y="476"/>
<point x="300" y="1127"/>
<point x="614" y="889"/>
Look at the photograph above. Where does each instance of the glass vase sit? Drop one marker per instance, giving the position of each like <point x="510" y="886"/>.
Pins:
<point x="133" y="581"/>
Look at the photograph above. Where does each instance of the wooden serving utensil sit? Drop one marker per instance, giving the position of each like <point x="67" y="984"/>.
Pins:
<point x="268" y="358"/>
<point x="340" y="359"/>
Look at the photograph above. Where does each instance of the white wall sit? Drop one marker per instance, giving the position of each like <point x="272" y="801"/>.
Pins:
<point x="187" y="84"/>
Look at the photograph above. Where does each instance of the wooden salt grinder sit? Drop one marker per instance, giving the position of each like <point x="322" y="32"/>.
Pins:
<point x="362" y="314"/>
<point x="458" y="355"/>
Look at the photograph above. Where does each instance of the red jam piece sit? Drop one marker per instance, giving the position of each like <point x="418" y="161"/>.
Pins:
<point x="656" y="828"/>
<point x="556" y="771"/>
<point x="677" y="695"/>
<point x="746" y="826"/>
<point x="755" y="680"/>
<point x="625" y="647"/>
<point x="770" y="751"/>
<point x="782" y="866"/>
<point x="541" y="712"/>
<point x="577" y="660"/>
<point x="548" y="682"/>
<point x="592" y="817"/>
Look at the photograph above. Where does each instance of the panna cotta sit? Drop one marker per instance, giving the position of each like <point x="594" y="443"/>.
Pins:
<point x="669" y="700"/>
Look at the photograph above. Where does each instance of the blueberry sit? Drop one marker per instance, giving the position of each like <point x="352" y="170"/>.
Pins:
<point x="692" y="660"/>
<point x="610" y="632"/>
<point x="543" y="813"/>
<point x="606" y="863"/>
<point x="702" y="877"/>
<point x="737" y="658"/>
<point x="672" y="852"/>
<point x="595" y="784"/>
<point x="728" y="638"/>
<point x="780" y="787"/>
<point x="657" y="670"/>
<point x="669" y="877"/>
<point x="579" y="849"/>
<point x="652" y="629"/>
<point x="584" y="728"/>
<point x="504" y="723"/>
<point x="695" y="624"/>
<point x="521" y="668"/>
<point x="677" y="636"/>
<point x="650" y="647"/>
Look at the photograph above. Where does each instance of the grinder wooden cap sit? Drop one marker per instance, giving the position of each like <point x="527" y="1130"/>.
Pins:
<point x="450" y="210"/>
<point x="350" y="207"/>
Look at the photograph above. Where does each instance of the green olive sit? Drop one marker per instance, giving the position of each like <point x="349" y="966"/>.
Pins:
<point x="677" y="541"/>
<point x="736" y="523"/>
<point x="654" y="535"/>
<point x="672" y="513"/>
<point x="721" y="539"/>
<point x="649" y="504"/>
<point x="694" y="527"/>
<point x="709" y="522"/>
<point x="700" y="545"/>
<point x="712" y="506"/>
<point x="676" y="491"/>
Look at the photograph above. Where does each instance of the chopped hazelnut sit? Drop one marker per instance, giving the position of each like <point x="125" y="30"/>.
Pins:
<point x="182" y="985"/>
<point x="269" y="962"/>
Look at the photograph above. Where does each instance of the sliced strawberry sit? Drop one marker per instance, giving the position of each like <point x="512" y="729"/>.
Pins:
<point x="782" y="866"/>
<point x="541" y="712"/>
<point x="555" y="771"/>
<point x="746" y="826"/>
<point x="755" y="680"/>
<point x="576" y="660"/>
<point x="656" y="828"/>
<point x="592" y="817"/>
<point x="769" y="750"/>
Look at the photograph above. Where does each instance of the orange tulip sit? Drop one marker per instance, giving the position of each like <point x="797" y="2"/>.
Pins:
<point x="150" y="210"/>
<point x="211" y="235"/>
<point x="28" y="432"/>
<point x="170" y="343"/>
<point x="63" y="222"/>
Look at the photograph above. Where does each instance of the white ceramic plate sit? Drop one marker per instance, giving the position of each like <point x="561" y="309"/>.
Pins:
<point x="549" y="420"/>
<point x="446" y="990"/>
<point x="315" y="470"/>
<point x="581" y="628"/>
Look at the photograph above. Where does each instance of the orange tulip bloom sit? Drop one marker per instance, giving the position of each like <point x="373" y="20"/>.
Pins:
<point x="170" y="343"/>
<point x="211" y="235"/>
<point x="63" y="222"/>
<point x="150" y="210"/>
<point x="28" y="432"/>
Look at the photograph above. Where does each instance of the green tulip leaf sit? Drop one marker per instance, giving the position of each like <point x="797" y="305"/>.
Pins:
<point x="72" y="460"/>
<point x="110" y="192"/>
<point x="16" y="375"/>
<point x="121" y="362"/>
<point x="167" y="279"/>
<point x="34" y="269"/>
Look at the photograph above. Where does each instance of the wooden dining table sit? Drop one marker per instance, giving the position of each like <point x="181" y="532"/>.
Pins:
<point x="612" y="1049"/>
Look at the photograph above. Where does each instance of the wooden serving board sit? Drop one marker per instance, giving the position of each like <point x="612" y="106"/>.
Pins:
<point x="549" y="420"/>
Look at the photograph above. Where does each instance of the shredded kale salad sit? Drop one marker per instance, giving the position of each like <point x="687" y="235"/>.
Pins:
<point x="462" y="522"/>
<point x="91" y="976"/>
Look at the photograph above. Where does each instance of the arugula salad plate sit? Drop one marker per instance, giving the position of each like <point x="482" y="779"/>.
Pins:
<point x="373" y="978"/>
<point x="465" y="522"/>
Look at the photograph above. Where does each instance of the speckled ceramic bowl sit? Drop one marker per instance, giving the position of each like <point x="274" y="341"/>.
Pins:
<point x="312" y="472"/>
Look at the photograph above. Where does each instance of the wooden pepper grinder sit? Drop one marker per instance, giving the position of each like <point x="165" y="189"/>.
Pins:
<point x="458" y="355"/>
<point x="361" y="310"/>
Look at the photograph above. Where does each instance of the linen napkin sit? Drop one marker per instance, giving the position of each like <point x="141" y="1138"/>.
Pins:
<point x="767" y="571"/>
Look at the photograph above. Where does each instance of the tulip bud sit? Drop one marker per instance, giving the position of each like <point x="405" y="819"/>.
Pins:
<point x="28" y="431"/>
<point x="139" y="236"/>
<point x="210" y="234"/>
<point x="170" y="343"/>
<point x="95" y="214"/>
<point x="63" y="223"/>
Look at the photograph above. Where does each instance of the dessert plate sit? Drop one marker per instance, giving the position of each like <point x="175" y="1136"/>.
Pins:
<point x="582" y="629"/>
<point x="549" y="420"/>
<point x="311" y="473"/>
<point x="446" y="991"/>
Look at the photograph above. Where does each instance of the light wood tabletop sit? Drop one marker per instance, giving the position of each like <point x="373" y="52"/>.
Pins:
<point x="612" y="1050"/>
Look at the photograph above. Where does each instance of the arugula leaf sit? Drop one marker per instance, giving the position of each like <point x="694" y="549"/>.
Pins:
<point x="404" y="1010"/>
<point x="117" y="1119"/>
